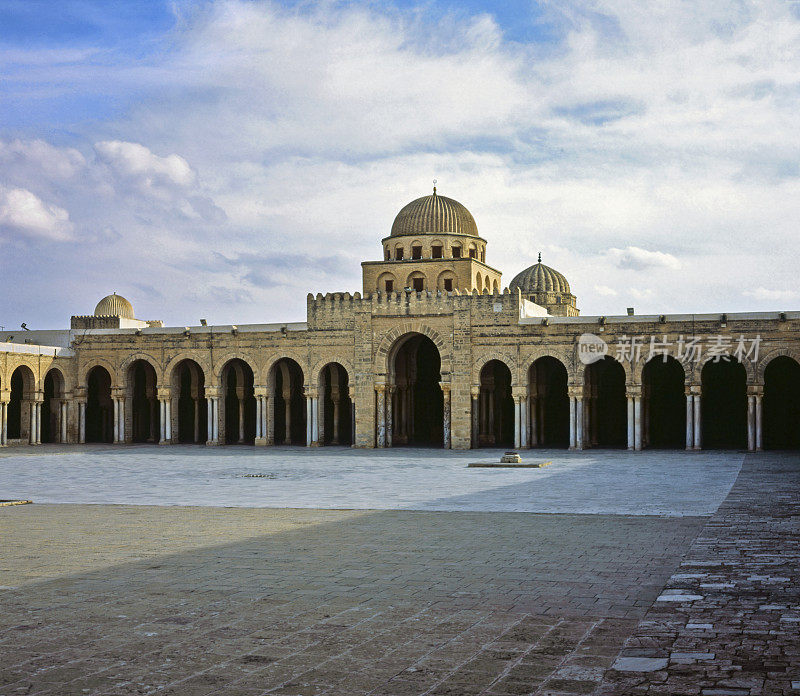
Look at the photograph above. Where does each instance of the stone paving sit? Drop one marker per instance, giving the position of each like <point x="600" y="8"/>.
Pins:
<point x="154" y="600"/>
<point x="728" y="621"/>
<point x="122" y="599"/>
<point x="592" y="482"/>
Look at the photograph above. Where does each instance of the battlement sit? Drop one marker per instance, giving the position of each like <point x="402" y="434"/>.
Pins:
<point x="338" y="310"/>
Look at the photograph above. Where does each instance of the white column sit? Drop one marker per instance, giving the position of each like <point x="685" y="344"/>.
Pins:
<point x="168" y="408"/>
<point x="759" y="430"/>
<point x="517" y="443"/>
<point x="116" y="421"/>
<point x="315" y="412"/>
<point x="309" y="416"/>
<point x="579" y="423"/>
<point x="523" y="420"/>
<point x="637" y="424"/>
<point x="122" y="420"/>
<point x="215" y="419"/>
<point x="209" y="420"/>
<point x="82" y="422"/>
<point x="32" y="423"/>
<point x="751" y="422"/>
<point x="631" y="431"/>
<point x="258" y="417"/>
<point x="572" y="439"/>
<point x="162" y="411"/>
<point x="698" y="440"/>
<point x="3" y="423"/>
<point x="689" y="422"/>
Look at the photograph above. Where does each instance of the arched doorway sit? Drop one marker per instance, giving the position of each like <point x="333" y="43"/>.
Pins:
<point x="417" y="402"/>
<point x="664" y="404"/>
<point x="549" y="403"/>
<point x="142" y="401"/>
<point x="605" y="404"/>
<point x="189" y="391"/>
<point x="334" y="395"/>
<point x="53" y="407"/>
<point x="99" y="407"/>
<point x="781" y="409"/>
<point x="238" y="424"/>
<point x="495" y="406"/>
<point x="23" y="385"/>
<point x="724" y="404"/>
<point x="289" y="414"/>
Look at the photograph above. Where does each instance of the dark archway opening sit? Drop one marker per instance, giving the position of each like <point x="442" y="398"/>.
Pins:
<point x="781" y="405"/>
<point x="145" y="416"/>
<point x="549" y="403"/>
<point x="418" y="402"/>
<point x="240" y="403"/>
<point x="99" y="408"/>
<point x="724" y="405"/>
<point x="495" y="406"/>
<point x="336" y="406"/>
<point x="290" y="403"/>
<point x="22" y="381"/>
<point x="189" y="384"/>
<point x="664" y="403"/>
<point x="606" y="405"/>
<point x="51" y="406"/>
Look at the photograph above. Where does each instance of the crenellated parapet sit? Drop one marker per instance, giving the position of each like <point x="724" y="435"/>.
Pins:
<point x="338" y="310"/>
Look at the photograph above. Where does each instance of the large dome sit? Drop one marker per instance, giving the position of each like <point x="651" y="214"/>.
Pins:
<point x="434" y="214"/>
<point x="114" y="306"/>
<point x="540" y="278"/>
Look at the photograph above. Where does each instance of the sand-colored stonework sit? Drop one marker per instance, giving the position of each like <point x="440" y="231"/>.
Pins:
<point x="441" y="356"/>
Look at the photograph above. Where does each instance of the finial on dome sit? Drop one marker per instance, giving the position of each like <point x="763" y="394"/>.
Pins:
<point x="540" y="257"/>
<point x="434" y="187"/>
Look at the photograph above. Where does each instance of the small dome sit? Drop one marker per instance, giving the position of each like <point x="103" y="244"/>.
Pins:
<point x="114" y="306"/>
<point x="434" y="214"/>
<point x="540" y="278"/>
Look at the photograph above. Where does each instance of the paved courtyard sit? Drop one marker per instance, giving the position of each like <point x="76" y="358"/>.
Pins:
<point x="142" y="599"/>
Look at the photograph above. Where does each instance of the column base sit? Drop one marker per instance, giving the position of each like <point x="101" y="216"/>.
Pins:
<point x="315" y="444"/>
<point x="165" y="442"/>
<point x="212" y="443"/>
<point x="260" y="442"/>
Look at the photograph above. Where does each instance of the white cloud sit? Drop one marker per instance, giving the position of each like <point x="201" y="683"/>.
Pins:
<point x="767" y="294"/>
<point x="605" y="291"/>
<point x="22" y="212"/>
<point x="637" y="259"/>
<point x="139" y="163"/>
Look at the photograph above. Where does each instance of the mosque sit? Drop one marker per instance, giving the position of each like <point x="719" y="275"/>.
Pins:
<point x="432" y="352"/>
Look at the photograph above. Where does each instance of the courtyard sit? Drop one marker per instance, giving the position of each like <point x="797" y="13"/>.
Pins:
<point x="190" y="570"/>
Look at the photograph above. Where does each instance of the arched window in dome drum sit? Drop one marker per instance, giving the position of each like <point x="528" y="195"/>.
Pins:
<point x="398" y="253"/>
<point x="456" y="250"/>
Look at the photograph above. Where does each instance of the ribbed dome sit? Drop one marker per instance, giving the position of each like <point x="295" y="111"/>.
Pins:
<point x="434" y="214"/>
<point x="114" y="306"/>
<point x="540" y="278"/>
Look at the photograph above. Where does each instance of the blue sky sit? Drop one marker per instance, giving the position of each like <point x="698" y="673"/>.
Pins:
<point x="224" y="158"/>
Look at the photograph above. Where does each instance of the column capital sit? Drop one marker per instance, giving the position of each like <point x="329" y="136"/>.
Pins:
<point x="633" y="390"/>
<point x="693" y="389"/>
<point x="575" y="391"/>
<point x="445" y="387"/>
<point x="475" y="392"/>
<point x="519" y="393"/>
<point x="212" y="392"/>
<point x="380" y="388"/>
<point x="259" y="390"/>
<point x="118" y="392"/>
<point x="164" y="393"/>
<point x="310" y="392"/>
<point x="755" y="389"/>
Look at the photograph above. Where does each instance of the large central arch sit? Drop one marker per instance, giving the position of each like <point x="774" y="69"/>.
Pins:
<point x="416" y="403"/>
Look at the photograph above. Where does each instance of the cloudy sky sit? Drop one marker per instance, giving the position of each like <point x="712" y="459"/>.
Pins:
<point x="221" y="159"/>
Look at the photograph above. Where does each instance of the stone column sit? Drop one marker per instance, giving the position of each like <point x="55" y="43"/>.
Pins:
<point x="517" y="404"/>
<point x="63" y="434"/>
<point x="631" y="442"/>
<point x="579" y="413"/>
<point x="81" y="422"/>
<point x="698" y="432"/>
<point x="637" y="426"/>
<point x="270" y="418"/>
<point x="390" y="398"/>
<point x="165" y="410"/>
<point x="320" y="417"/>
<point x="446" y="414"/>
<point x="380" y="426"/>
<point x="572" y="439"/>
<point x="210" y="421"/>
<point x="759" y="430"/>
<point x="212" y="404"/>
<point x="3" y="423"/>
<point x="689" y="422"/>
<point x="240" y="400"/>
<point x="309" y="418"/>
<point x="533" y="421"/>
<point x="751" y="422"/>
<point x="475" y="393"/>
<point x="315" y="409"/>
<point x="523" y="422"/>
